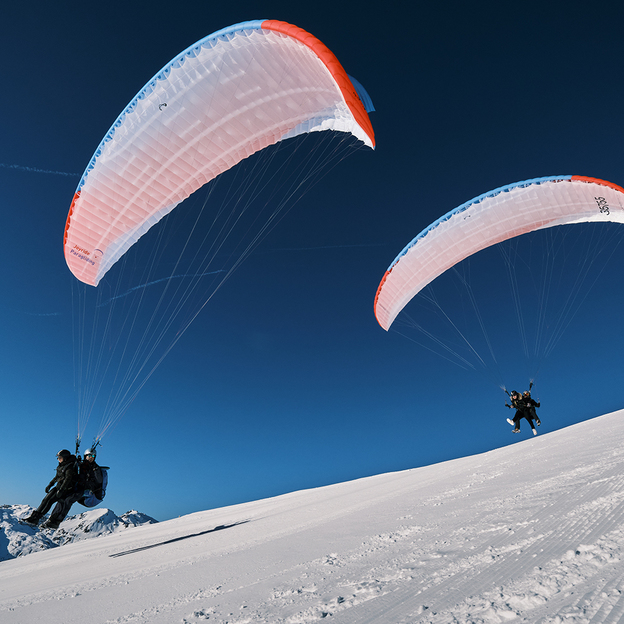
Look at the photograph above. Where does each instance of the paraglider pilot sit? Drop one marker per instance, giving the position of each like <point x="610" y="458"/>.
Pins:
<point x="531" y="405"/>
<point x="63" y="485"/>
<point x="88" y="491"/>
<point x="522" y="411"/>
<point x="86" y="486"/>
<point x="91" y="491"/>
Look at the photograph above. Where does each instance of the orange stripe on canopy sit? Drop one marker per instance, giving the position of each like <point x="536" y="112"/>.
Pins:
<point x="333" y="65"/>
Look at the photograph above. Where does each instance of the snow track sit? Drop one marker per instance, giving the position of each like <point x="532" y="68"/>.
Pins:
<point x="530" y="533"/>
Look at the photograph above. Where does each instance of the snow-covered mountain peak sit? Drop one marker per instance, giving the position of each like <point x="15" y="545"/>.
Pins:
<point x="18" y="539"/>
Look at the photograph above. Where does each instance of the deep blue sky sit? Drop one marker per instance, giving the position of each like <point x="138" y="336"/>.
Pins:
<point x="286" y="381"/>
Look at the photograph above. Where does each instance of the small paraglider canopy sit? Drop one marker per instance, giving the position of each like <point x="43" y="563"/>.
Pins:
<point x="491" y="218"/>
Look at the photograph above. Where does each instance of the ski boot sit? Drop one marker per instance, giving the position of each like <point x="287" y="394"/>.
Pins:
<point x="33" y="519"/>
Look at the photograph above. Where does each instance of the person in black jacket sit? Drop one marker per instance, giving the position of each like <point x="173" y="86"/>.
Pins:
<point x="90" y="480"/>
<point x="531" y="405"/>
<point x="63" y="485"/>
<point x="516" y="403"/>
<point x="522" y="411"/>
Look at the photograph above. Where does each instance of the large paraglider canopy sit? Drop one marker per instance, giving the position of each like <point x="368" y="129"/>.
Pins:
<point x="491" y="218"/>
<point x="236" y="95"/>
<point x="221" y="100"/>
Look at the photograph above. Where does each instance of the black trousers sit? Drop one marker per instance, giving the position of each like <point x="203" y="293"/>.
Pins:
<point x="63" y="506"/>
<point x="519" y="416"/>
<point x="47" y="502"/>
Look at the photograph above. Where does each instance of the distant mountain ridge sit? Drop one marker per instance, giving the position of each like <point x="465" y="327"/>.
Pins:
<point x="18" y="539"/>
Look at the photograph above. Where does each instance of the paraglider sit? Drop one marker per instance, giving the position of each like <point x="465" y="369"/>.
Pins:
<point x="76" y="480"/>
<point x="226" y="97"/>
<point x="531" y="404"/>
<point x="525" y="408"/>
<point x="93" y="480"/>
<point x="62" y="486"/>
<point x="549" y="299"/>
<point x="491" y="218"/>
<point x="236" y="95"/>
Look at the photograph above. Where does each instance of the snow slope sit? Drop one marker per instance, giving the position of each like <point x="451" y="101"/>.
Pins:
<point x="527" y="533"/>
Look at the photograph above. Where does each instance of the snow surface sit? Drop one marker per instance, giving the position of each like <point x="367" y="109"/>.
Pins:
<point x="527" y="533"/>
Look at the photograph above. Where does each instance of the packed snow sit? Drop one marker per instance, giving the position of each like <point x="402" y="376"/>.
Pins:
<point x="527" y="533"/>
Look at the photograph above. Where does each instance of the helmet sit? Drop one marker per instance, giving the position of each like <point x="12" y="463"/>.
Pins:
<point x="65" y="454"/>
<point x="90" y="452"/>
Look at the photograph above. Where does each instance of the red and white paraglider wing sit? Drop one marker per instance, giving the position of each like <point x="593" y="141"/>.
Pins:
<point x="489" y="219"/>
<point x="221" y="100"/>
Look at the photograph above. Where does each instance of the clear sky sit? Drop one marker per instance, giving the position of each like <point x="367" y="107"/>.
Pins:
<point x="285" y="380"/>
